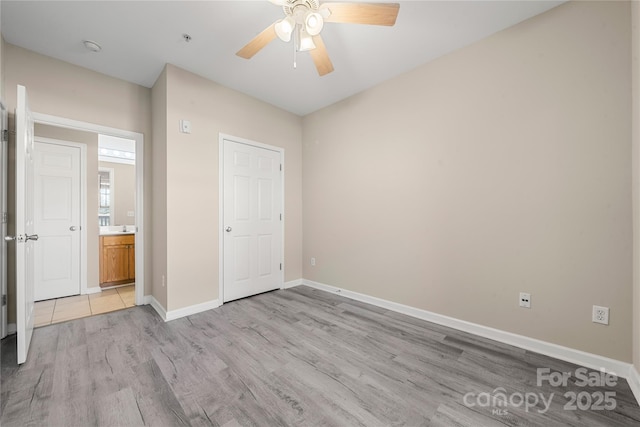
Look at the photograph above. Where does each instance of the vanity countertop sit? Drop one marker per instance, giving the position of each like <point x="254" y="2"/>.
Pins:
<point x="116" y="230"/>
<point x="116" y="233"/>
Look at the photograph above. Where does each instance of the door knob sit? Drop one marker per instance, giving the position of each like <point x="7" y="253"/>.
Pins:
<point x="10" y="238"/>
<point x="228" y="229"/>
<point x="73" y="228"/>
<point x="32" y="237"/>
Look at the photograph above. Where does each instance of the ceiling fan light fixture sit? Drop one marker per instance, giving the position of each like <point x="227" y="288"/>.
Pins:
<point x="304" y="20"/>
<point x="313" y="23"/>
<point x="284" y="28"/>
<point x="306" y="42"/>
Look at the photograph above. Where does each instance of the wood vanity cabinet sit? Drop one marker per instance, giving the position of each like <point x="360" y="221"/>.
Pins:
<point x="117" y="259"/>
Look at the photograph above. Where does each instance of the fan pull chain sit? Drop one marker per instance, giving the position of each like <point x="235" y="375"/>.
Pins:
<point x="295" y="50"/>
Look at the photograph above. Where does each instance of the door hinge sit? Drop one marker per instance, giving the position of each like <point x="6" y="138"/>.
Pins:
<point x="280" y="217"/>
<point x="280" y="167"/>
<point x="5" y="136"/>
<point x="280" y="266"/>
<point x="5" y="217"/>
<point x="4" y="300"/>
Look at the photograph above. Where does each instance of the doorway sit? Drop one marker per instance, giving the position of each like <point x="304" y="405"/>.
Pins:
<point x="135" y="221"/>
<point x="116" y="212"/>
<point x="252" y="201"/>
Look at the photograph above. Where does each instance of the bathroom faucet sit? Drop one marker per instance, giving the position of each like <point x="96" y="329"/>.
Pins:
<point x="124" y="228"/>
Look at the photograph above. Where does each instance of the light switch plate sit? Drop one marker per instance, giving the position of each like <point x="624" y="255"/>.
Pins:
<point x="185" y="126"/>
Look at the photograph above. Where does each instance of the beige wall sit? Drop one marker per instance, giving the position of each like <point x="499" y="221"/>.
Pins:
<point x="124" y="191"/>
<point x="192" y="179"/>
<point x="91" y="141"/>
<point x="65" y="90"/>
<point x="635" y="55"/>
<point x="159" y="188"/>
<point x="499" y="168"/>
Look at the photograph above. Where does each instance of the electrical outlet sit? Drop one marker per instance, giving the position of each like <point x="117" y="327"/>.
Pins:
<point x="525" y="300"/>
<point x="313" y="262"/>
<point x="600" y="315"/>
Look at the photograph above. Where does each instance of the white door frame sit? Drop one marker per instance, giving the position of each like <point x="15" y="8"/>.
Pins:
<point x="4" y="126"/>
<point x="221" y="138"/>
<point x="139" y="139"/>
<point x="83" y="203"/>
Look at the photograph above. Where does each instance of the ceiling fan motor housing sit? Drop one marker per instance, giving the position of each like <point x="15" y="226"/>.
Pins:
<point x="301" y="5"/>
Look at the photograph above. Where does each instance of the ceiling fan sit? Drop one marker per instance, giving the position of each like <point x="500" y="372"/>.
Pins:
<point x="304" y="19"/>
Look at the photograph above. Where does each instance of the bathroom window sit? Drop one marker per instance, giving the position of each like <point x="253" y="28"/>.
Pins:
<point x="105" y="186"/>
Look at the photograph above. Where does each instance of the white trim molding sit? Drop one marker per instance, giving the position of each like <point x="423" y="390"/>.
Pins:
<point x="589" y="360"/>
<point x="150" y="300"/>
<point x="93" y="290"/>
<point x="192" y="309"/>
<point x="292" y="284"/>
<point x="633" y="379"/>
<point x="180" y="312"/>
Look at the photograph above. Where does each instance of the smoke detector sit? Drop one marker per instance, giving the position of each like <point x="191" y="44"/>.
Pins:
<point x="92" y="46"/>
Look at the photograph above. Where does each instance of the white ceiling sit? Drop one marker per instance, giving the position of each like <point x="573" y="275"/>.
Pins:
<point x="139" y="37"/>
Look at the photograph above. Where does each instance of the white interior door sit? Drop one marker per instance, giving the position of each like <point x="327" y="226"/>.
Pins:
<point x="252" y="243"/>
<point x="57" y="219"/>
<point x="25" y="237"/>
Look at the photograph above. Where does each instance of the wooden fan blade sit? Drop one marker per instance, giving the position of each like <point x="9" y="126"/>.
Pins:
<point x="362" y="13"/>
<point x="321" y="57"/>
<point x="258" y="42"/>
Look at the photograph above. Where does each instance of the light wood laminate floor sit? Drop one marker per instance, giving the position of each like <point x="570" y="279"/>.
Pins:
<point x="298" y="357"/>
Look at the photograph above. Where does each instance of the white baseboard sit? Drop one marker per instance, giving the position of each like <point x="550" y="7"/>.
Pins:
<point x="589" y="360"/>
<point x="292" y="284"/>
<point x="94" y="290"/>
<point x="192" y="309"/>
<point x="197" y="308"/>
<point x="181" y="312"/>
<point x="633" y="378"/>
<point x="150" y="300"/>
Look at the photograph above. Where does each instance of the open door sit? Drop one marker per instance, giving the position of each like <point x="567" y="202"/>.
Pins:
<point x="25" y="236"/>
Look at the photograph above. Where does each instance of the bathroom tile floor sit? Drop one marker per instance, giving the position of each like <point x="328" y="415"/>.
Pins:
<point x="63" y="309"/>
